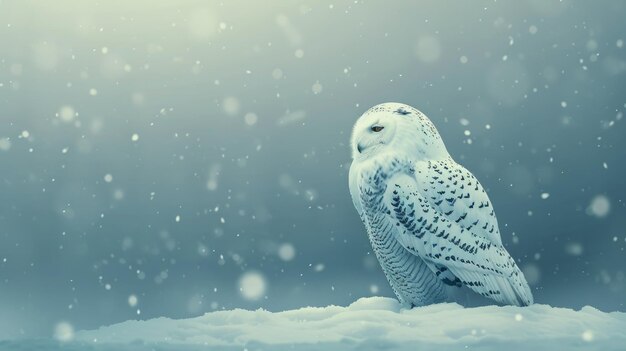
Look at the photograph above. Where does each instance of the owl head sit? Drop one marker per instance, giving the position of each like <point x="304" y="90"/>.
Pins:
<point x="395" y="127"/>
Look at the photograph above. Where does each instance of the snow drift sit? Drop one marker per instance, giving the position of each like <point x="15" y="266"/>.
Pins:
<point x="369" y="324"/>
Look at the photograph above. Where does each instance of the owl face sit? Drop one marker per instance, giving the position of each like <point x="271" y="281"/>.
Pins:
<point x="397" y="128"/>
<point x="372" y="133"/>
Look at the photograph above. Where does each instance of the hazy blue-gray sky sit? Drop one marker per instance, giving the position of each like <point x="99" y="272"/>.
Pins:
<point x="158" y="156"/>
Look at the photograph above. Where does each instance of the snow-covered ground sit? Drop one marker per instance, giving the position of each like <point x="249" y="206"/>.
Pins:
<point x="368" y="324"/>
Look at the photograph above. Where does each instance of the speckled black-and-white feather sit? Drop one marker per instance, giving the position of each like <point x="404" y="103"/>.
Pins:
<point x="429" y="220"/>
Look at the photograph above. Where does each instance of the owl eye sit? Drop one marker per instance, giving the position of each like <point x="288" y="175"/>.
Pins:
<point x="377" y="129"/>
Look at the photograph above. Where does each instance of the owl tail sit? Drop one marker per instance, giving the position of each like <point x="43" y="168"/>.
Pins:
<point x="508" y="287"/>
<point x="515" y="289"/>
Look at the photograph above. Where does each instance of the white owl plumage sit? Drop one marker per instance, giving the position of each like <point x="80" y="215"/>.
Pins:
<point x="430" y="222"/>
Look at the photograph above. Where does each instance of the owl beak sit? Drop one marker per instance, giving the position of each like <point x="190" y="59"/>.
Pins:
<point x="360" y="147"/>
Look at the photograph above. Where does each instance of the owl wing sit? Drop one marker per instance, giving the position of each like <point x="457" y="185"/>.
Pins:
<point x="425" y="231"/>
<point x="454" y="191"/>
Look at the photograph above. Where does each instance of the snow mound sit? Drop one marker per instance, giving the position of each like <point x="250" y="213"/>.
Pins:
<point x="370" y="324"/>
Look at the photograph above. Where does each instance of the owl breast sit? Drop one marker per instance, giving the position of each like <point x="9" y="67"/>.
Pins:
<point x="413" y="282"/>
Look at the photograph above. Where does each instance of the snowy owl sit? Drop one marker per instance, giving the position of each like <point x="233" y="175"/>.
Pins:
<point x="430" y="222"/>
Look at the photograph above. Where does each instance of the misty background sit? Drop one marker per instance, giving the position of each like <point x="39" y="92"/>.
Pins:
<point x="174" y="158"/>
